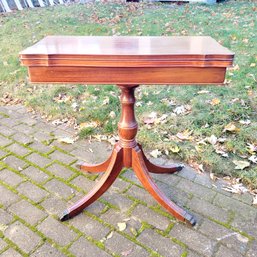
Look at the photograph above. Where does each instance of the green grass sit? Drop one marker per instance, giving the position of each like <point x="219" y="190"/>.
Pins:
<point x="232" y="23"/>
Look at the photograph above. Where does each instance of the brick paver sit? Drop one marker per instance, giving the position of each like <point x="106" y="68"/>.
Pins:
<point x="47" y="250"/>
<point x="27" y="212"/>
<point x="90" y="227"/>
<point x="38" y="181"/>
<point x="10" y="177"/>
<point x="83" y="248"/>
<point x="57" y="231"/>
<point x="22" y="236"/>
<point x="165" y="246"/>
<point x="35" y="174"/>
<point x="32" y="191"/>
<point x="10" y="253"/>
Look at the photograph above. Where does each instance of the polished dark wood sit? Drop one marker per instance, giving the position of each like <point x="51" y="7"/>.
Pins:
<point x="127" y="62"/>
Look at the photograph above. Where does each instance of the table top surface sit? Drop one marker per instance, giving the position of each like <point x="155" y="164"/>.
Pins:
<point x="127" y="51"/>
<point x="127" y="45"/>
<point x="127" y="59"/>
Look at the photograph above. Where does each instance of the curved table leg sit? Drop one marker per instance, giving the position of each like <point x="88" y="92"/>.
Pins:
<point x="153" y="168"/>
<point x="100" y="167"/>
<point x="112" y="172"/>
<point x="139" y="167"/>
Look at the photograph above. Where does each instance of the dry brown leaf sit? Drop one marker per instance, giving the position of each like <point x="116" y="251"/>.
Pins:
<point x="198" y="167"/>
<point x="245" y="122"/>
<point x="254" y="200"/>
<point x="149" y="121"/>
<point x="66" y="140"/>
<point x="122" y="226"/>
<point x="253" y="159"/>
<point x="110" y="235"/>
<point x="92" y="124"/>
<point x="222" y="153"/>
<point x="215" y="101"/>
<point x="174" y="149"/>
<point x="112" y="115"/>
<point x="156" y="153"/>
<point x="203" y="92"/>
<point x="251" y="148"/>
<point x="212" y="139"/>
<point x="185" y="135"/>
<point x="106" y="100"/>
<point x="234" y="68"/>
<point x="235" y="189"/>
<point x="213" y="177"/>
<point x="240" y="165"/>
<point x="231" y="127"/>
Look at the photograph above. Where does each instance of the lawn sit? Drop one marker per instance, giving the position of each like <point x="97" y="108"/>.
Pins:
<point x="213" y="128"/>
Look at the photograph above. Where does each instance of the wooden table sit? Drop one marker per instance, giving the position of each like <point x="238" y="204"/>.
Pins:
<point x="127" y="62"/>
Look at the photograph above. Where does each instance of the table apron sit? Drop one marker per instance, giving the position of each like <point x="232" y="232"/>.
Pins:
<point x="131" y="75"/>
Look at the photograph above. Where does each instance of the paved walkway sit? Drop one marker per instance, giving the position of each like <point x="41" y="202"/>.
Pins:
<point x="38" y="179"/>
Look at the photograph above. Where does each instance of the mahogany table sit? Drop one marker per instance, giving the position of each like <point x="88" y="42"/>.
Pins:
<point x="127" y="62"/>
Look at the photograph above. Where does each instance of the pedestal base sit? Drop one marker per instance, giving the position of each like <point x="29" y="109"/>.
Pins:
<point x="128" y="153"/>
<point x="141" y="166"/>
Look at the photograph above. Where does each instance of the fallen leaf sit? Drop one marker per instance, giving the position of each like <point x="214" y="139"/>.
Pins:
<point x="179" y="110"/>
<point x="253" y="159"/>
<point x="254" y="200"/>
<point x="174" y="149"/>
<point x="235" y="189"/>
<point x="231" y="127"/>
<point x="162" y="119"/>
<point x="234" y="68"/>
<point x="149" y="121"/>
<point x="122" y="226"/>
<point x="156" y="153"/>
<point x="215" y="101"/>
<point x="212" y="139"/>
<point x="203" y="92"/>
<point x="106" y="100"/>
<point x="222" y="153"/>
<point x="92" y="124"/>
<point x="185" y="135"/>
<point x="112" y="115"/>
<point x="240" y="165"/>
<point x="57" y="122"/>
<point x="245" y="122"/>
<point x="66" y="140"/>
<point x="196" y="166"/>
<point x="251" y="148"/>
<point x="213" y="177"/>
<point x="222" y="139"/>
<point x="110" y="235"/>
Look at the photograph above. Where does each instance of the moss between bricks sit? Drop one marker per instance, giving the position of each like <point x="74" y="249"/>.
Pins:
<point x="132" y="207"/>
<point x="226" y="225"/>
<point x="4" y="249"/>
<point x="15" y="247"/>
<point x="184" y="254"/>
<point x="4" y="115"/>
<point x="44" y="238"/>
<point x="113" y="228"/>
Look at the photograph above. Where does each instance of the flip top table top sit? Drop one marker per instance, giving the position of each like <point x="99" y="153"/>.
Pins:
<point x="127" y="59"/>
